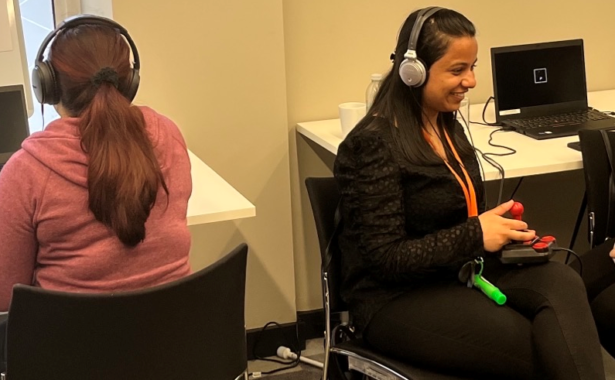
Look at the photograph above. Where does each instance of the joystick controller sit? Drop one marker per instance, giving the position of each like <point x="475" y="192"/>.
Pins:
<point x="537" y="250"/>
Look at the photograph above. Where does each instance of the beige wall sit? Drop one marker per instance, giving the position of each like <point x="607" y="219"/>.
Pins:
<point x="216" y="67"/>
<point x="237" y="75"/>
<point x="332" y="47"/>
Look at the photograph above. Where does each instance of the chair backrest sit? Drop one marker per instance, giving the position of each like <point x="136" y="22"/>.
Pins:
<point x="596" y="148"/>
<point x="193" y="328"/>
<point x="324" y="197"/>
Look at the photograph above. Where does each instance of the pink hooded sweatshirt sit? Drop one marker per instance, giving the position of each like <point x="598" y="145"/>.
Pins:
<point x="50" y="238"/>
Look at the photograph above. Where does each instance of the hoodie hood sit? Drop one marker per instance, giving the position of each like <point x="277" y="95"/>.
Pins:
<point x="58" y="146"/>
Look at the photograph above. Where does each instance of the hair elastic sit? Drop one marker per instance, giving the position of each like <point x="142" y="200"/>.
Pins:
<point x="106" y="74"/>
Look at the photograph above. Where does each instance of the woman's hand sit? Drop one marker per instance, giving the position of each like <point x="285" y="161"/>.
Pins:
<point x="499" y="231"/>
<point x="612" y="253"/>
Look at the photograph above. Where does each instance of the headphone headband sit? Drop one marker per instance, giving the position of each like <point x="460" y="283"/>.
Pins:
<point x="44" y="82"/>
<point x="423" y="16"/>
<point x="75" y="21"/>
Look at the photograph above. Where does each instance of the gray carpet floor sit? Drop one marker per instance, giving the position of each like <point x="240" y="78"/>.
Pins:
<point x="304" y="374"/>
<point x="314" y="351"/>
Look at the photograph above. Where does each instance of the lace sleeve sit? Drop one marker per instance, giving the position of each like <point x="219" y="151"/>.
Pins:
<point x="373" y="210"/>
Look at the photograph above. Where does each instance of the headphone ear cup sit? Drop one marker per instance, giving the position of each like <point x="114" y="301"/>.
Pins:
<point x="412" y="72"/>
<point x="44" y="83"/>
<point x="133" y="86"/>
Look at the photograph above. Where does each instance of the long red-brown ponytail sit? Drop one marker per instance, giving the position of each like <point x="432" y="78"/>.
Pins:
<point x="123" y="173"/>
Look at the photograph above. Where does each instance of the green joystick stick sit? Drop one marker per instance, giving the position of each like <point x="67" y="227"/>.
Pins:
<point x="489" y="289"/>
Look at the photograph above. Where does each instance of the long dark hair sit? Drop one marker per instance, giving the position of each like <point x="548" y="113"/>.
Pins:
<point x="123" y="172"/>
<point x="401" y="105"/>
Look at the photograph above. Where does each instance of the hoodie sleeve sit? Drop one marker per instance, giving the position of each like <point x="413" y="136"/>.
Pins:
<point x="20" y="189"/>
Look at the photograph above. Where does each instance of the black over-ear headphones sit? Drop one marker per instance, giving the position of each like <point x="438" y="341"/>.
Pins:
<point x="412" y="71"/>
<point x="44" y="81"/>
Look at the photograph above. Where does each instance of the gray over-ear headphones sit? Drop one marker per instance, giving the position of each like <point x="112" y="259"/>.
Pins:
<point x="412" y="71"/>
<point x="44" y="81"/>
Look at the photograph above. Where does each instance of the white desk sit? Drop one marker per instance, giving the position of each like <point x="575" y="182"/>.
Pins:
<point x="532" y="157"/>
<point x="213" y="199"/>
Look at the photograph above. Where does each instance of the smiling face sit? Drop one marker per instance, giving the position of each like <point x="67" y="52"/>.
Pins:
<point x="450" y="77"/>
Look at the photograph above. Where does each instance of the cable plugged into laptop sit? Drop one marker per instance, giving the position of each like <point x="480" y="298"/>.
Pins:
<point x="496" y="124"/>
<point x="609" y="113"/>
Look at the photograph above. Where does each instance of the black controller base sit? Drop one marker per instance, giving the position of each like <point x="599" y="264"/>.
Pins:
<point x="539" y="250"/>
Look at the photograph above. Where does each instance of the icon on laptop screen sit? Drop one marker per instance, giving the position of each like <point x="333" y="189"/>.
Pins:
<point x="540" y="75"/>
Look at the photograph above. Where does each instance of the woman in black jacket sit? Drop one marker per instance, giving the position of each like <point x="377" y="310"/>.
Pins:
<point x="414" y="213"/>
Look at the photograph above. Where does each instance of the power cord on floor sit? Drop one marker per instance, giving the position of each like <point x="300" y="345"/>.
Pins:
<point x="287" y="364"/>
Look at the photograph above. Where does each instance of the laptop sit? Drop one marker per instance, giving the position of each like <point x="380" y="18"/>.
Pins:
<point x="13" y="121"/>
<point x="540" y="90"/>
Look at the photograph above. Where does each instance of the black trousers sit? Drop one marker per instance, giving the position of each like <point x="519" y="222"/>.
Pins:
<point x="599" y="277"/>
<point x="544" y="331"/>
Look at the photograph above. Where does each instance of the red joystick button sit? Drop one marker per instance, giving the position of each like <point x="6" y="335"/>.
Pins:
<point x="547" y="239"/>
<point x="516" y="210"/>
<point x="541" y="247"/>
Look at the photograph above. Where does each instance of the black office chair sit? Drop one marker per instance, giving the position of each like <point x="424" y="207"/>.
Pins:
<point x="190" y="329"/>
<point x="352" y="353"/>
<point x="599" y="168"/>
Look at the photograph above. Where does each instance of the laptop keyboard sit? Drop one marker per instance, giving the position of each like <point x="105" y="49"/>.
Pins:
<point x="560" y="120"/>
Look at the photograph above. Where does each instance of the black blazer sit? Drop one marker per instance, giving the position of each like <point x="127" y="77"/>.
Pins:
<point x="403" y="223"/>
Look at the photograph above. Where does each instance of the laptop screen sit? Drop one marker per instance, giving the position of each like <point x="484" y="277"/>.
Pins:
<point x="13" y="121"/>
<point x="539" y="79"/>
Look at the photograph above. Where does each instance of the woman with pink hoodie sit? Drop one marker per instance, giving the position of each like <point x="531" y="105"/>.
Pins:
<point x="97" y="202"/>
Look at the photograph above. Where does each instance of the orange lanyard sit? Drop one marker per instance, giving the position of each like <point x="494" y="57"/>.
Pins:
<point x="468" y="191"/>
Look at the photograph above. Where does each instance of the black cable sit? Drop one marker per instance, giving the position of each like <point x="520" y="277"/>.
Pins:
<point x="485" y="122"/>
<point x="499" y="168"/>
<point x="490" y="142"/>
<point x="608" y="113"/>
<point x="480" y="164"/>
<point x="479" y="123"/>
<point x="288" y="364"/>
<point x="570" y="251"/>
<point x="487" y="157"/>
<point x="511" y="151"/>
<point x="512" y="195"/>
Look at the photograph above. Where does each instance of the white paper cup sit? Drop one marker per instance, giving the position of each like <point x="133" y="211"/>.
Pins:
<point x="350" y="114"/>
